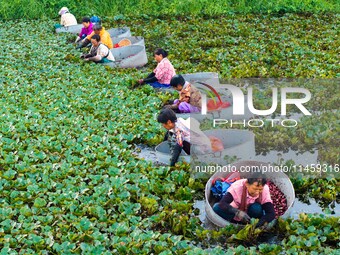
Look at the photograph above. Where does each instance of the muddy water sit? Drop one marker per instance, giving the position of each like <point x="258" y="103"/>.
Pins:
<point x="206" y="223"/>
<point x="147" y="153"/>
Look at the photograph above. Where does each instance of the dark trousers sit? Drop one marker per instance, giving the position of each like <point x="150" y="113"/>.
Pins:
<point x="176" y="151"/>
<point x="254" y="211"/>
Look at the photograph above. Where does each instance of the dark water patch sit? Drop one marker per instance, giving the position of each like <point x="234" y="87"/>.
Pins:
<point x="147" y="153"/>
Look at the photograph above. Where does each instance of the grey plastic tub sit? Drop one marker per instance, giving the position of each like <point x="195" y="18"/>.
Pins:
<point x="74" y="29"/>
<point x="207" y="77"/>
<point x="119" y="32"/>
<point x="236" y="143"/>
<point x="239" y="143"/>
<point x="226" y="96"/>
<point x="129" y="57"/>
<point x="225" y="113"/>
<point x="135" y="40"/>
<point x="280" y="179"/>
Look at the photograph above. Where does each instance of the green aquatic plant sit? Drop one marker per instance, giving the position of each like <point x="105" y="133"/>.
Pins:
<point x="69" y="181"/>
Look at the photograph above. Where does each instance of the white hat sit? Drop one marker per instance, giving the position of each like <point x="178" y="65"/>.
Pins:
<point x="63" y="10"/>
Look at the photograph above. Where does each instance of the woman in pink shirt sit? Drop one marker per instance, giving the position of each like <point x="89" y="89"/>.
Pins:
<point x="85" y="31"/>
<point x="162" y="74"/>
<point x="246" y="199"/>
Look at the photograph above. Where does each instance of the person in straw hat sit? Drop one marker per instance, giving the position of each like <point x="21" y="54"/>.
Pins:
<point x="67" y="19"/>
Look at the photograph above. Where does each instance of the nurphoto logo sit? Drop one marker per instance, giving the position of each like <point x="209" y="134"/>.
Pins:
<point x="238" y="106"/>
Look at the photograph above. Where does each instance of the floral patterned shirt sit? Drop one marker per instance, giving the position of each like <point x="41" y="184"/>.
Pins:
<point x="164" y="71"/>
<point x="191" y="95"/>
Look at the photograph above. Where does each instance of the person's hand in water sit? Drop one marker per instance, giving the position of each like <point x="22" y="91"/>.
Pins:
<point x="243" y="216"/>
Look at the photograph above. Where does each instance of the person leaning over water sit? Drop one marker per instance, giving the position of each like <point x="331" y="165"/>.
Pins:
<point x="183" y="135"/>
<point x="66" y="19"/>
<point x="246" y="199"/>
<point x="104" y="35"/>
<point x="99" y="53"/>
<point x="190" y="99"/>
<point x="85" y="31"/>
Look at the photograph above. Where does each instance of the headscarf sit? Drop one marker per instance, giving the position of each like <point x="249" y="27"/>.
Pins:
<point x="63" y="11"/>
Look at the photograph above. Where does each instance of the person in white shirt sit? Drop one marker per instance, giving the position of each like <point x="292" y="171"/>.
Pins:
<point x="183" y="135"/>
<point x="67" y="19"/>
<point x="99" y="52"/>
